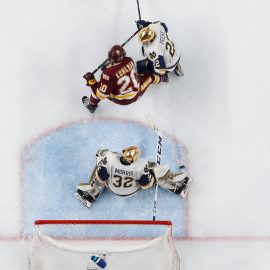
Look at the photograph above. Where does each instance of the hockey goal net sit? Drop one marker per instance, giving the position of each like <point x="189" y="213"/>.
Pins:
<point x="103" y="244"/>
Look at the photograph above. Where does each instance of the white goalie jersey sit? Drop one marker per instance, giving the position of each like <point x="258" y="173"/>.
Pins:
<point x="162" y="51"/>
<point x="123" y="180"/>
<point x="126" y="173"/>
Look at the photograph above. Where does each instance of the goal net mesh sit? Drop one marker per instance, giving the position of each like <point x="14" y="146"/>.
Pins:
<point x="95" y="245"/>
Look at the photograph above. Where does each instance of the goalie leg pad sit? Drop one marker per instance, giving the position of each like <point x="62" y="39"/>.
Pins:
<point x="161" y="171"/>
<point x="84" y="187"/>
<point x="179" y="188"/>
<point x="101" y="153"/>
<point x="178" y="177"/>
<point x="85" y="198"/>
<point x="94" y="188"/>
<point x="87" y="193"/>
<point x="182" y="188"/>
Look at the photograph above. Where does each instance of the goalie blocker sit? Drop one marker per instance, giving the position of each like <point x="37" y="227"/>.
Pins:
<point x="126" y="173"/>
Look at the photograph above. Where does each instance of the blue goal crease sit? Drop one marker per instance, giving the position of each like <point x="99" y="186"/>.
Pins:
<point x="56" y="163"/>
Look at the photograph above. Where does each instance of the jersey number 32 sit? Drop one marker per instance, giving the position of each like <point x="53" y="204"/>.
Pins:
<point x="120" y="181"/>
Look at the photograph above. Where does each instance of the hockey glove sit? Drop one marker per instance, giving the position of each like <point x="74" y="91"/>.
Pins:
<point x="146" y="180"/>
<point x="142" y="23"/>
<point x="102" y="173"/>
<point x="90" y="78"/>
<point x="144" y="66"/>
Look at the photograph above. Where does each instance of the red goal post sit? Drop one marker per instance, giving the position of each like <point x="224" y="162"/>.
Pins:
<point x="119" y="244"/>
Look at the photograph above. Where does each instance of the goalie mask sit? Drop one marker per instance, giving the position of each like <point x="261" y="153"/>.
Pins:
<point x="131" y="153"/>
<point x="146" y="35"/>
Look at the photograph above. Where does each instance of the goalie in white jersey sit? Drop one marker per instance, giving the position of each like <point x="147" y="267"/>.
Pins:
<point x="161" y="52"/>
<point x="126" y="173"/>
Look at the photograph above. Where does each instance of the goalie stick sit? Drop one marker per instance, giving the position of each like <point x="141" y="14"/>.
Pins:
<point x="158" y="158"/>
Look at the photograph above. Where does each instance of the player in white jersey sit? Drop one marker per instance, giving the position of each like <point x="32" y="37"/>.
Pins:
<point x="162" y="54"/>
<point x="126" y="173"/>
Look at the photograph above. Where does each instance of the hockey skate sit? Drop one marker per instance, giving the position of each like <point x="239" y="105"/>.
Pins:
<point x="182" y="188"/>
<point x="84" y="197"/>
<point x="164" y="78"/>
<point x="178" y="70"/>
<point x="91" y="108"/>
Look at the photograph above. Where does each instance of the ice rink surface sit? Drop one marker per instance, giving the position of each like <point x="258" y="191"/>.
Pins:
<point x="219" y="110"/>
<point x="65" y="157"/>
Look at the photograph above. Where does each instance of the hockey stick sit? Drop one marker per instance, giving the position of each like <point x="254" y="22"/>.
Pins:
<point x="158" y="158"/>
<point x="105" y="61"/>
<point x="139" y="11"/>
<point x="133" y="35"/>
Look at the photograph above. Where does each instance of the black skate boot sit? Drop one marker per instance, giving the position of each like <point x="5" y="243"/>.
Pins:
<point x="178" y="70"/>
<point x="164" y="78"/>
<point x="91" y="108"/>
<point x="84" y="197"/>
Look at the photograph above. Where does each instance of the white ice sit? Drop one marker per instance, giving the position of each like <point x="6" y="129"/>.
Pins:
<point x="219" y="109"/>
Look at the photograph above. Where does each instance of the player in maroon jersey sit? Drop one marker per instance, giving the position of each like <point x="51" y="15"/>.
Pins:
<point x="119" y="81"/>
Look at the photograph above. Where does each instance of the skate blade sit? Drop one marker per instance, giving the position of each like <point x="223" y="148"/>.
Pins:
<point x="180" y="72"/>
<point x="83" y="201"/>
<point x="184" y="193"/>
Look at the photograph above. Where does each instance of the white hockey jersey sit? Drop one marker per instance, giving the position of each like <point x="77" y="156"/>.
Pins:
<point x="123" y="180"/>
<point x="162" y="51"/>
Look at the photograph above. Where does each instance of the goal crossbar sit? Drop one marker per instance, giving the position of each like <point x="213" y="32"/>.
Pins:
<point x="127" y="222"/>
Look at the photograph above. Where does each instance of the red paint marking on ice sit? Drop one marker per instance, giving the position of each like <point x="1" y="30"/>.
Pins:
<point x="191" y="239"/>
<point x="9" y="238"/>
<point x="186" y="215"/>
<point x="223" y="238"/>
<point x="21" y="195"/>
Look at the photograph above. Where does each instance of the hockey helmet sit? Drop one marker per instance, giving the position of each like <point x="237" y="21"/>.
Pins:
<point x="131" y="153"/>
<point x="116" y="54"/>
<point x="146" y="35"/>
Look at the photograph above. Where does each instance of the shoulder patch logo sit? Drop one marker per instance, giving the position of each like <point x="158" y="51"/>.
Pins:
<point x="152" y="55"/>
